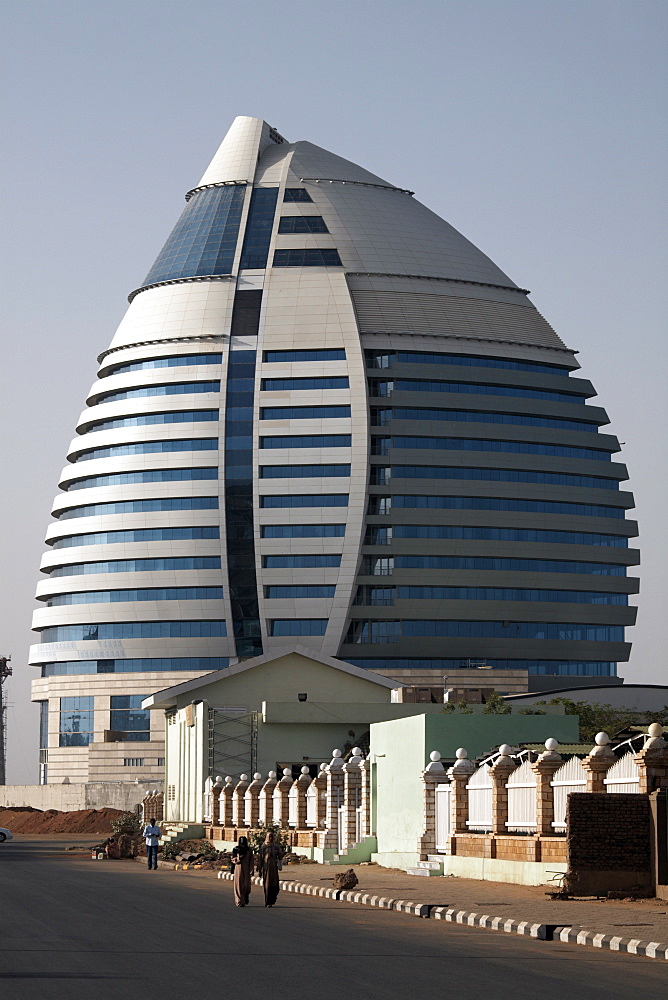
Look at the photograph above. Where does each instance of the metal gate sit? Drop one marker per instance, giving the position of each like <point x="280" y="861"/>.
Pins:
<point x="232" y="741"/>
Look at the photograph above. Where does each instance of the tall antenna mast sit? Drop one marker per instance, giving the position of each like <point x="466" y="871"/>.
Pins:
<point x="5" y="672"/>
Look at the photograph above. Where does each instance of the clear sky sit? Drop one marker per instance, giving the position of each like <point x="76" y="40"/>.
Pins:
<point x="536" y="127"/>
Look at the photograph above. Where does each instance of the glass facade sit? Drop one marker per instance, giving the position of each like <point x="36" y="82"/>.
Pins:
<point x="290" y="592"/>
<point x="392" y="631"/>
<point x="303" y="530"/>
<point x="302" y="224"/>
<point x="148" y="476"/>
<point x="382" y="417"/>
<point x="149" y="448"/>
<point x="297" y="194"/>
<point x="307" y="258"/>
<point x="505" y="504"/>
<point x="306" y="441"/>
<point x="479" y="444"/>
<point x="508" y="535"/>
<point x="173" y="361"/>
<point x="379" y="387"/>
<point x="169" y="389"/>
<point x="306" y="354"/>
<point x="76" y="722"/>
<point x="172" y="564"/>
<point x="140" y="506"/>
<point x="258" y="228"/>
<point x="300" y="561"/>
<point x="147" y="419"/>
<point x="303" y="412"/>
<point x="303" y="471"/>
<point x="128" y="719"/>
<point x="502" y="476"/>
<point x="136" y="535"/>
<point x="305" y="383"/>
<point x="133" y="630"/>
<point x="387" y="359"/>
<point x="305" y="500"/>
<point x="579" y="668"/>
<point x="389" y="595"/>
<point x="146" y="594"/>
<point x="298" y="626"/>
<point x="513" y="565"/>
<point x="205" y="237"/>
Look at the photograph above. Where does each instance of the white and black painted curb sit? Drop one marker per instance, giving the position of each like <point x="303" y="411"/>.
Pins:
<point x="542" y="932"/>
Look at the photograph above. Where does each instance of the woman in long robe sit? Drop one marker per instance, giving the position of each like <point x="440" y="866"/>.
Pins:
<point x="269" y="859"/>
<point x="242" y="859"/>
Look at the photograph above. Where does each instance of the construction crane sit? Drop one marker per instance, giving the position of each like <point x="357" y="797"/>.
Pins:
<point x="5" y="672"/>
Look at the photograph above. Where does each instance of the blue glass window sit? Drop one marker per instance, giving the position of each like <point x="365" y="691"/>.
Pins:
<point x="377" y="387"/>
<point x="300" y="562"/>
<point x="303" y="530"/>
<point x="497" y="503"/>
<point x="516" y="447"/>
<point x="381" y="418"/>
<point x="377" y="566"/>
<point x="294" y="592"/>
<point x="302" y="224"/>
<point x="205" y="237"/>
<point x="148" y="594"/>
<point x="136" y="535"/>
<point x="303" y="471"/>
<point x="306" y="441"/>
<point x="149" y="448"/>
<point x="140" y="506"/>
<point x="147" y="476"/>
<point x="297" y="194"/>
<point x="325" y="382"/>
<point x="134" y="630"/>
<point x="391" y="631"/>
<point x="581" y="668"/>
<point x="129" y="718"/>
<point x="509" y="594"/>
<point x="503" y="476"/>
<point x="194" y="664"/>
<point x="303" y="412"/>
<point x="76" y="722"/>
<point x="258" y="228"/>
<point x="298" y="626"/>
<point x="179" y="361"/>
<point x="170" y="389"/>
<point x="386" y="359"/>
<point x="307" y="258"/>
<point x="174" y="563"/>
<point x="509" y="535"/>
<point x="307" y="354"/>
<point x="43" y="724"/>
<point x="512" y="565"/>
<point x="147" y="419"/>
<point x="378" y="535"/>
<point x="306" y="500"/>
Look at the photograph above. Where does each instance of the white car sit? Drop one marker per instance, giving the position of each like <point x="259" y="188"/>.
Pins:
<point x="4" y="834"/>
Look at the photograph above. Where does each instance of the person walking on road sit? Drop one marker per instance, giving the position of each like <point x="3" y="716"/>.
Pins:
<point x="151" y="835"/>
<point x="242" y="859"/>
<point x="270" y="862"/>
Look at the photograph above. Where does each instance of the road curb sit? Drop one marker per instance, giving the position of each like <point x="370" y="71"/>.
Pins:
<point x="484" y="921"/>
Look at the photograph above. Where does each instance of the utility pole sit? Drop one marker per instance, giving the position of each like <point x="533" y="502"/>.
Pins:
<point x="5" y="672"/>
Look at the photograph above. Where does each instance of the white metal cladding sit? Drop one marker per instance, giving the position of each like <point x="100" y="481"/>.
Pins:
<point x="521" y="786"/>
<point x="623" y="776"/>
<point x="442" y="817"/>
<point x="570" y="777"/>
<point x="480" y="800"/>
<point x="312" y="806"/>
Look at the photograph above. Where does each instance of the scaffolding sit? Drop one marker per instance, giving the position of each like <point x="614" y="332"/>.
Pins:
<point x="232" y="741"/>
<point x="5" y="672"/>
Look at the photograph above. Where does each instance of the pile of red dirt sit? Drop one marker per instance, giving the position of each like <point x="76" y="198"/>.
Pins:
<point x="28" y="820"/>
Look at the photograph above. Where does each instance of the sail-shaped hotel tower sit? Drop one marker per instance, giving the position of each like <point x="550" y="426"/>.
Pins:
<point x="328" y="419"/>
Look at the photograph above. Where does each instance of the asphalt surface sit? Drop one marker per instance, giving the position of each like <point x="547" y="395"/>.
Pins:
<point x="73" y="928"/>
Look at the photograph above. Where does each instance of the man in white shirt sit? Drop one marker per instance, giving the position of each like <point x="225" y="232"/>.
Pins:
<point x="151" y="835"/>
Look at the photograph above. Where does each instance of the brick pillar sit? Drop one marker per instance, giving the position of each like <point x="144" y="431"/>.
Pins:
<point x="598" y="762"/>
<point x="238" y="819"/>
<point x="302" y="784"/>
<point x="334" y="770"/>
<point x="459" y="775"/>
<point x="215" y="800"/>
<point x="266" y="800"/>
<point x="251" y="801"/>
<point x="544" y="768"/>
<point x="226" y="794"/>
<point x="280" y="798"/>
<point x="351" y="795"/>
<point x="652" y="760"/>
<point x="365" y="797"/>
<point x="499" y="772"/>
<point x="434" y="774"/>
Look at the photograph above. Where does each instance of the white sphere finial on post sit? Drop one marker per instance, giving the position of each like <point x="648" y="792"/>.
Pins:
<point x="601" y="739"/>
<point x="287" y="772"/>
<point x="551" y="743"/>
<point x="257" y="776"/>
<point x="505" y="750"/>
<point x="271" y="774"/>
<point x="434" y="765"/>
<point x="461" y="753"/>
<point x="305" y="770"/>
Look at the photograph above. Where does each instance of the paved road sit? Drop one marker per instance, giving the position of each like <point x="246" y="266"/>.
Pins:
<point x="72" y="928"/>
